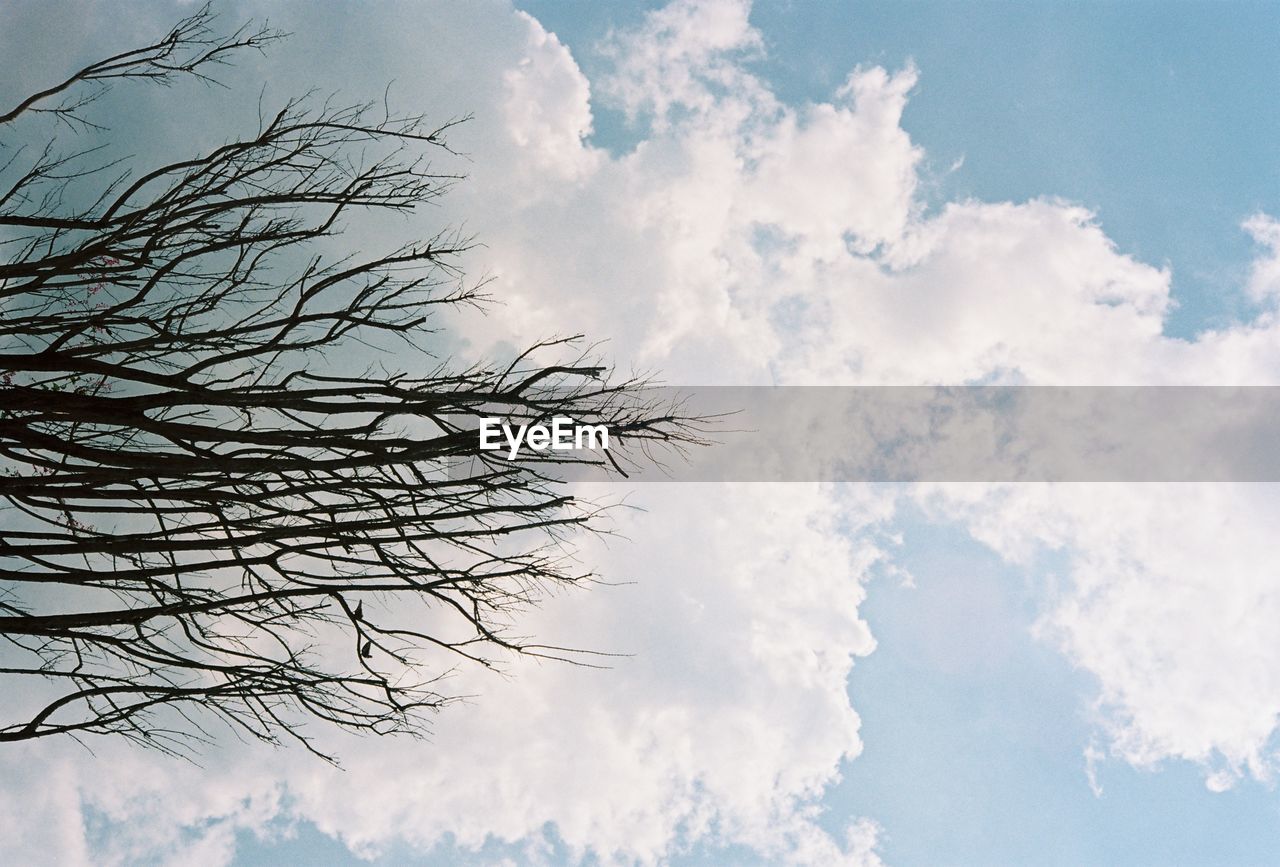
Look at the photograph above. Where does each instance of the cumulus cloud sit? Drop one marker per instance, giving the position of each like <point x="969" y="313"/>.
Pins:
<point x="732" y="717"/>
<point x="784" y="243"/>
<point x="547" y="111"/>
<point x="1170" y="598"/>
<point x="687" y="57"/>
<point x="1264" y="277"/>
<point x="689" y="739"/>
<point x="723" y="728"/>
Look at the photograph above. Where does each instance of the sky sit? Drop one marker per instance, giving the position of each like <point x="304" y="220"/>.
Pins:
<point x="798" y="193"/>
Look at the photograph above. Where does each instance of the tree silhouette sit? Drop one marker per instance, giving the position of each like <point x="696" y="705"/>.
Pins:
<point x="217" y="498"/>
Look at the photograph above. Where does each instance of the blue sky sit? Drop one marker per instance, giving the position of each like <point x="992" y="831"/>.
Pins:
<point x="1038" y="624"/>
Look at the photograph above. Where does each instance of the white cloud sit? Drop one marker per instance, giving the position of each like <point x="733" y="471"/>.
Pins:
<point x="767" y="269"/>
<point x="1169" y="600"/>
<point x="838" y="174"/>
<point x="723" y="728"/>
<point x="730" y="717"/>
<point x="40" y="810"/>
<point x="686" y="57"/>
<point x="1264" y="278"/>
<point x="547" y="111"/>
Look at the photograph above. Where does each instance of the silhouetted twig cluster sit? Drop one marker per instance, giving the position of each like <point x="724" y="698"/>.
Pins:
<point x="215" y="498"/>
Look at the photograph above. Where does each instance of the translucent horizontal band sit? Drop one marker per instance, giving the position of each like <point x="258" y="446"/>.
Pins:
<point x="942" y="434"/>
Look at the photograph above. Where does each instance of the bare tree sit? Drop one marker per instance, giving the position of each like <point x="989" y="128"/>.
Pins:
<point x="205" y="512"/>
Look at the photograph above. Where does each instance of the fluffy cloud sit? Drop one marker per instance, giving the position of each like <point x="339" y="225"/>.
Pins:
<point x="767" y="242"/>
<point x="686" y="57"/>
<point x="1169" y="598"/>
<point x="724" y="726"/>
<point x="547" y="111"/>
<point x="729" y="717"/>
<point x="1264" y="278"/>
<point x="732" y="716"/>
<point x="793" y="232"/>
